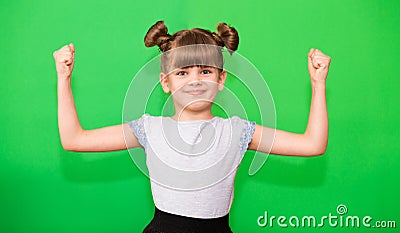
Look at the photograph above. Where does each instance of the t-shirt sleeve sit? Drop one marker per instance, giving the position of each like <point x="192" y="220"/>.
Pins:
<point x="246" y="136"/>
<point x="138" y="128"/>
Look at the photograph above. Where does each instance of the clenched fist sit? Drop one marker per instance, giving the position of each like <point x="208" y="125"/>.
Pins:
<point x="64" y="59"/>
<point x="318" y="65"/>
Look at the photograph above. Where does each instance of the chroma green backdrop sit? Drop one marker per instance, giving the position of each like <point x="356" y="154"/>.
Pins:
<point x="44" y="188"/>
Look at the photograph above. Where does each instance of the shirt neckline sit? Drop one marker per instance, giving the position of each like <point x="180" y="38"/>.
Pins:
<point x="191" y="121"/>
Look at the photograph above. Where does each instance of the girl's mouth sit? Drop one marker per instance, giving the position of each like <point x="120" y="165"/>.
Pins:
<point x="196" y="92"/>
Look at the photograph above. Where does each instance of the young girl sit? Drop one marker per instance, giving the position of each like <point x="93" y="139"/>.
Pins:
<point x="192" y="156"/>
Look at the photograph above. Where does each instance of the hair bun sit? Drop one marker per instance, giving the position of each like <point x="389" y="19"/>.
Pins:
<point x="157" y="35"/>
<point x="229" y="36"/>
<point x="218" y="39"/>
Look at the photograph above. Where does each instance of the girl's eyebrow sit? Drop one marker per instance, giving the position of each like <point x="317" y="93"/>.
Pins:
<point x="206" y="67"/>
<point x="184" y="68"/>
<point x="201" y="66"/>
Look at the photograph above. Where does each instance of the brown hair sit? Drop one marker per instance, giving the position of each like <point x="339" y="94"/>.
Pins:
<point x="158" y="35"/>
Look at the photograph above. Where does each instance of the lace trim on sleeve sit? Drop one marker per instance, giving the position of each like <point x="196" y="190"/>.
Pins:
<point x="246" y="137"/>
<point x="138" y="129"/>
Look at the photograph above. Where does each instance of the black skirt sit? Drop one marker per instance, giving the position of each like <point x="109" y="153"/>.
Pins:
<point x="164" y="222"/>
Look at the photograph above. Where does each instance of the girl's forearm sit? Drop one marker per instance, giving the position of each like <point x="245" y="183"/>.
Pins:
<point x="317" y="127"/>
<point x="68" y="122"/>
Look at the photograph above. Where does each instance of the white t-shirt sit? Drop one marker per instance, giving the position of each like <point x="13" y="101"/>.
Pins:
<point x="192" y="164"/>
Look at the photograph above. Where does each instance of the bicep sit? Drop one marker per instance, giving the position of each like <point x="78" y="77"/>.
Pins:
<point x="280" y="142"/>
<point x="110" y="138"/>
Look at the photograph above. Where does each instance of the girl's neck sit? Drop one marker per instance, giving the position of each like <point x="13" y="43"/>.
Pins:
<point x="190" y="116"/>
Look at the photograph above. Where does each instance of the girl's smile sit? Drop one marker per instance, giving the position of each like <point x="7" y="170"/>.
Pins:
<point x="196" y="92"/>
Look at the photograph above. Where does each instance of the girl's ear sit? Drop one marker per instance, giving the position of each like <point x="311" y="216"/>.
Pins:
<point x="164" y="82"/>
<point x="221" y="81"/>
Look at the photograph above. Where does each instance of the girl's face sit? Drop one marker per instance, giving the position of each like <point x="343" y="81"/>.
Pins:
<point x="193" y="88"/>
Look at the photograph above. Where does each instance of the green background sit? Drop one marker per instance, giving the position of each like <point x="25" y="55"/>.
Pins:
<point x="44" y="188"/>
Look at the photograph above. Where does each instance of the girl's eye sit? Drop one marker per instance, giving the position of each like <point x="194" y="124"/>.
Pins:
<point x="181" y="73"/>
<point x="206" y="72"/>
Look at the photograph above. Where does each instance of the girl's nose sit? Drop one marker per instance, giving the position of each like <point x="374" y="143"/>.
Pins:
<point x="195" y="83"/>
<point x="195" y="78"/>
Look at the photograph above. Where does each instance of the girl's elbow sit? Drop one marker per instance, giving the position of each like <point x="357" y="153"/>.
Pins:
<point x="318" y="151"/>
<point x="70" y="145"/>
<point x="67" y="146"/>
<point x="72" y="142"/>
<point x="316" y="146"/>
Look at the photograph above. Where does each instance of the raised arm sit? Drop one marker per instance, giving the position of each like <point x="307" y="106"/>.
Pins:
<point x="73" y="137"/>
<point x="315" y="139"/>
